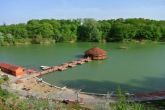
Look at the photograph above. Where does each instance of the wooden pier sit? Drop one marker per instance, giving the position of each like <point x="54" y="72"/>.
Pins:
<point x="64" y="66"/>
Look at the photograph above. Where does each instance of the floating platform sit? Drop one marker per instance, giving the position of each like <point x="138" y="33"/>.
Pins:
<point x="62" y="67"/>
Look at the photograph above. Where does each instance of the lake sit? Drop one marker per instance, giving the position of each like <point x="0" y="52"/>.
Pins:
<point x="139" y="68"/>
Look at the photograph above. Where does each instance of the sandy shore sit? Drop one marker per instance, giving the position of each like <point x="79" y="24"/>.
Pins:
<point x="29" y="85"/>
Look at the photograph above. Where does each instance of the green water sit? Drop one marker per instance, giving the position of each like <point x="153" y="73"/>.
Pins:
<point x="139" y="68"/>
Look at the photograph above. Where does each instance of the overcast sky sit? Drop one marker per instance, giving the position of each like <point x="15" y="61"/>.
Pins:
<point x="16" y="11"/>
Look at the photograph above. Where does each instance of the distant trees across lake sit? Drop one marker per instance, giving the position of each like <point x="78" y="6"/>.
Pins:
<point x="84" y="30"/>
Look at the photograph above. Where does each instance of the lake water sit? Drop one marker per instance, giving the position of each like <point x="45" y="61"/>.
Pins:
<point x="139" y="68"/>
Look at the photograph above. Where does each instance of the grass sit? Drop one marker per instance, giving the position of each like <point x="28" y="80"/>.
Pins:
<point x="123" y="104"/>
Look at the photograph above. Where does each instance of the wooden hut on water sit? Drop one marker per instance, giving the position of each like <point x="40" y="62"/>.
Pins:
<point x="96" y="53"/>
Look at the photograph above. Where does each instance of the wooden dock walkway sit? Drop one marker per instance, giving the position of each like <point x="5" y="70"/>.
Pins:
<point x="64" y="66"/>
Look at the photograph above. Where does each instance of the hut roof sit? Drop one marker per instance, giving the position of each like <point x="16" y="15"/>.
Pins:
<point x="9" y="66"/>
<point x="95" y="52"/>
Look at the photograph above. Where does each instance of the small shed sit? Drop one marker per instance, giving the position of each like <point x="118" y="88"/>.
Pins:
<point x="12" y="69"/>
<point x="96" y="53"/>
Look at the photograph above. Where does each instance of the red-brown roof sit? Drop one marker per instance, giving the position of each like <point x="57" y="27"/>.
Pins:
<point x="9" y="66"/>
<point x="96" y="52"/>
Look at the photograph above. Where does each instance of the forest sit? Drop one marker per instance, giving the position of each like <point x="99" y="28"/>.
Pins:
<point x="37" y="31"/>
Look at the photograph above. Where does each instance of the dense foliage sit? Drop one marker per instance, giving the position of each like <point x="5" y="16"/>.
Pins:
<point x="90" y="30"/>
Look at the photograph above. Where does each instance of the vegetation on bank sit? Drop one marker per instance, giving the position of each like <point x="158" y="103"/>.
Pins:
<point x="9" y="101"/>
<point x="86" y="30"/>
<point x="123" y="103"/>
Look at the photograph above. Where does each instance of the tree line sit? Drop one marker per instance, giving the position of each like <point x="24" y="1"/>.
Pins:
<point x="85" y="30"/>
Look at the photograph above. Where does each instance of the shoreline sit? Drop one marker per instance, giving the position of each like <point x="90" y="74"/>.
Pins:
<point x="51" y="42"/>
<point x="63" y="88"/>
<point x="30" y="87"/>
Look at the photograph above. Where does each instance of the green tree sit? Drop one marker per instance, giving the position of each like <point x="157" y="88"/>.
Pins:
<point x="115" y="33"/>
<point x="84" y="30"/>
<point x="46" y="30"/>
<point x="105" y="27"/>
<point x="89" y="31"/>
<point x="20" y="31"/>
<point x="56" y="30"/>
<point x="9" y="38"/>
<point x="33" y="28"/>
<point x="150" y="32"/>
<point x="67" y="32"/>
<point x="162" y="33"/>
<point x="155" y="32"/>
<point x="1" y="38"/>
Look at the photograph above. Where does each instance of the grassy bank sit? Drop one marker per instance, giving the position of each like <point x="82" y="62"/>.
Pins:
<point x="46" y="41"/>
<point x="27" y="41"/>
<point x="10" y="101"/>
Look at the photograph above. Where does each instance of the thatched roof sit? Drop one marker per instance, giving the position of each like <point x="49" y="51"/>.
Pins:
<point x="96" y="52"/>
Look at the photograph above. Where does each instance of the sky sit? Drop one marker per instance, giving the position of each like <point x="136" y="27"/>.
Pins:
<point x="20" y="11"/>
